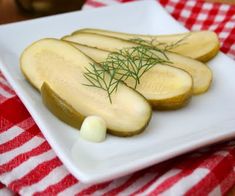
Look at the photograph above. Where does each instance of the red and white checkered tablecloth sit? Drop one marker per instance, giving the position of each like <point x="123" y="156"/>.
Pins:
<point x="29" y="166"/>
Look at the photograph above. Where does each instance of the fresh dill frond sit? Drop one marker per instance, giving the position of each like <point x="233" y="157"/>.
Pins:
<point x="102" y="78"/>
<point x="160" y="46"/>
<point x="134" y="62"/>
<point x="126" y="64"/>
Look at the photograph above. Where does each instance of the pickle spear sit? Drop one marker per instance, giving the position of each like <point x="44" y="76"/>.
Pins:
<point x="62" y="66"/>
<point x="200" y="45"/>
<point x="165" y="87"/>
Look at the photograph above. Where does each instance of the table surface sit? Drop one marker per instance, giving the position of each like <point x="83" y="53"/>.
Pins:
<point x="9" y="12"/>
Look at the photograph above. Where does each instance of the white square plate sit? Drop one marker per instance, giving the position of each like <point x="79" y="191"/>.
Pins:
<point x="207" y="119"/>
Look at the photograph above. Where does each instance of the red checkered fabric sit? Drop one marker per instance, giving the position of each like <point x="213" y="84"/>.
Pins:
<point x="29" y="166"/>
<point x="198" y="15"/>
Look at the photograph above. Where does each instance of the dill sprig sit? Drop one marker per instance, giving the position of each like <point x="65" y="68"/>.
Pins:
<point x="128" y="63"/>
<point x="154" y="44"/>
<point x="134" y="62"/>
<point x="102" y="77"/>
